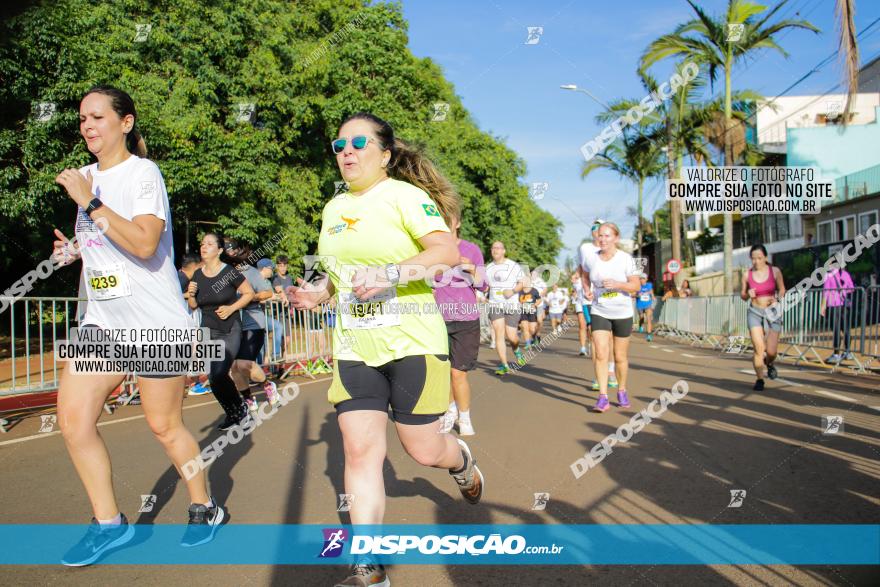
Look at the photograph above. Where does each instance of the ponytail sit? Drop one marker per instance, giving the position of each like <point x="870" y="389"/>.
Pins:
<point x="136" y="143"/>
<point x="409" y="163"/>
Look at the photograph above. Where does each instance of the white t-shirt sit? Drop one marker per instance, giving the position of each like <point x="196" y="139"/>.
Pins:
<point x="579" y="299"/>
<point x="123" y="290"/>
<point x="585" y="251"/>
<point x="611" y="303"/>
<point x="557" y="300"/>
<point x="502" y="276"/>
<point x="540" y="285"/>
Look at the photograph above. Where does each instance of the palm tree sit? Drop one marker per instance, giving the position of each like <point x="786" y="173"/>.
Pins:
<point x="849" y="50"/>
<point x="677" y="125"/>
<point x="636" y="159"/>
<point x="714" y="43"/>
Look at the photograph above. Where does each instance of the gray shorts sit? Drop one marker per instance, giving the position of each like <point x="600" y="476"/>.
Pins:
<point x="511" y="316"/>
<point x="758" y="317"/>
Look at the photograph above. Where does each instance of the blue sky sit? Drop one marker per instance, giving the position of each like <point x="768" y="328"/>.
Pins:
<point x="512" y="89"/>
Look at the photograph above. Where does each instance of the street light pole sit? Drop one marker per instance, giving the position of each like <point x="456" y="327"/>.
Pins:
<point x="574" y="88"/>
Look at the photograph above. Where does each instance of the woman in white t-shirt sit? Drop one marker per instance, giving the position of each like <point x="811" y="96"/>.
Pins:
<point x="610" y="277"/>
<point x="123" y="228"/>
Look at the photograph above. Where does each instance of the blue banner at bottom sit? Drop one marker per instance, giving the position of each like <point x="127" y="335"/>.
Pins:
<point x="426" y="544"/>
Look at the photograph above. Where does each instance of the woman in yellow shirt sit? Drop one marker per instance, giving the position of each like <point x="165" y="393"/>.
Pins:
<point x="390" y="342"/>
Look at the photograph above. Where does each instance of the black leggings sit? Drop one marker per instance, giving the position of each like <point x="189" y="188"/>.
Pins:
<point x="218" y="373"/>
<point x="840" y="319"/>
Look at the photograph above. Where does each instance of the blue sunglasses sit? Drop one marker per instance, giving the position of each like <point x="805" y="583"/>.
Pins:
<point x="359" y="142"/>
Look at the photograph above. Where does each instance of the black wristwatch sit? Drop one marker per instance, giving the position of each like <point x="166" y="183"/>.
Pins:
<point x="94" y="205"/>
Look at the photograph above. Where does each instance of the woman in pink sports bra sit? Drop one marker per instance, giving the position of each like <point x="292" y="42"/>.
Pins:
<point x="762" y="285"/>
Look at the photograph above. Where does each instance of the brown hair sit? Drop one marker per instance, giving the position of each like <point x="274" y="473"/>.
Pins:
<point x="409" y="163"/>
<point x="123" y="105"/>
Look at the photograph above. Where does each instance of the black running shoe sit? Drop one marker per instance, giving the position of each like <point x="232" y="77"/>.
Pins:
<point x="759" y="385"/>
<point x="98" y="540"/>
<point x="771" y="372"/>
<point x="203" y="523"/>
<point x="229" y="422"/>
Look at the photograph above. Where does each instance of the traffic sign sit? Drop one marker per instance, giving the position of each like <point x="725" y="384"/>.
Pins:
<point x="673" y="266"/>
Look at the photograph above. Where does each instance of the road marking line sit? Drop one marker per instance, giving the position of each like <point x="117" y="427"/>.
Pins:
<point x="689" y="356"/>
<point x="838" y="396"/>
<point x="654" y="346"/>
<point x="129" y="419"/>
<point x="667" y="350"/>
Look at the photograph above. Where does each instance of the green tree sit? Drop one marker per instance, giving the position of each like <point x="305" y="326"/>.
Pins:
<point x="304" y="66"/>
<point x="715" y="43"/>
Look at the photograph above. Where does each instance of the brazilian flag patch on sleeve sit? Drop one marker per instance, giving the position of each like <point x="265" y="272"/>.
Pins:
<point x="430" y="210"/>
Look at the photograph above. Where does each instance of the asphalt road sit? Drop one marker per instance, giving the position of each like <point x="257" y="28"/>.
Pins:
<point x="530" y="427"/>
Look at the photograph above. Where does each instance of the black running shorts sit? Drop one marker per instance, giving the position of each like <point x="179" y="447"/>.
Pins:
<point x="464" y="344"/>
<point x="416" y="388"/>
<point x="620" y="327"/>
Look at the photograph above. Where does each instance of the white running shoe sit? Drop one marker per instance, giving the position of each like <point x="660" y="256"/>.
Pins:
<point x="271" y="392"/>
<point x="448" y="421"/>
<point x="465" y="428"/>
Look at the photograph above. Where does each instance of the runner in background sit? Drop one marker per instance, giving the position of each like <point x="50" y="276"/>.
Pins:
<point x="131" y="284"/>
<point x="253" y="330"/>
<point x="583" y="318"/>
<point x="557" y="300"/>
<point x="188" y="266"/>
<point x="540" y="285"/>
<point x="455" y="292"/>
<point x="610" y="278"/>
<point x="389" y="227"/>
<point x="529" y="300"/>
<point x="586" y="250"/>
<point x="505" y="279"/>
<point x="221" y="291"/>
<point x="645" y="306"/>
<point x="196" y="383"/>
<point x="762" y="286"/>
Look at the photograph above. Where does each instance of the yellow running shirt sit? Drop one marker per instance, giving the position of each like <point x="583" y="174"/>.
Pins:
<point x="374" y="229"/>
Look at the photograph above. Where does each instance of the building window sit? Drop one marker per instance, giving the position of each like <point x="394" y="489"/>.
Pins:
<point x="752" y="230"/>
<point x="825" y="232"/>
<point x="776" y="228"/>
<point x="797" y="225"/>
<point x="866" y="221"/>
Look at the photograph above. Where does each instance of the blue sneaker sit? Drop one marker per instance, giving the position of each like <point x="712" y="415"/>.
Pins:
<point x="649" y="338"/>
<point x="199" y="388"/>
<point x="203" y="523"/>
<point x="98" y="540"/>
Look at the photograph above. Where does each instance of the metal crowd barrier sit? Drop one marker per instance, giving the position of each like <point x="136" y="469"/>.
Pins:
<point x="827" y="326"/>
<point x="296" y="342"/>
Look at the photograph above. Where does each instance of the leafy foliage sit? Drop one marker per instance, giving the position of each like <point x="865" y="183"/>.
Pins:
<point x="304" y="65"/>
